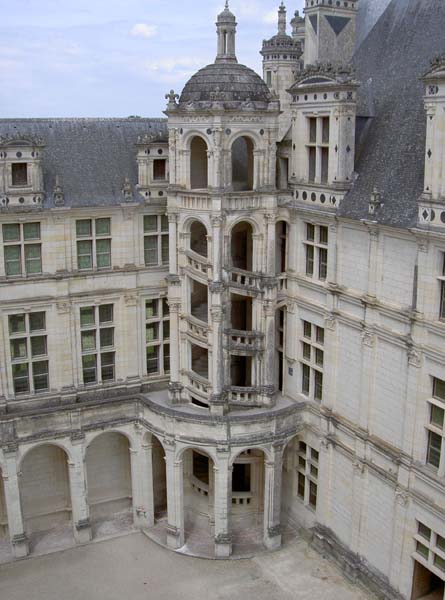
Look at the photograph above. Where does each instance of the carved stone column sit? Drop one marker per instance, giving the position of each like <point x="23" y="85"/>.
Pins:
<point x="223" y="504"/>
<point x="272" y="499"/>
<point x="174" y="386"/>
<point x="173" y="243"/>
<point x="270" y="221"/>
<point x="16" y="525"/>
<point x="175" y="497"/>
<point x="268" y="388"/>
<point x="78" y="491"/>
<point x="217" y="400"/>
<point x="217" y="247"/>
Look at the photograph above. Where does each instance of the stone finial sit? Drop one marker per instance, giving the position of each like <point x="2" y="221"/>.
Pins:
<point x="282" y="25"/>
<point x="58" y="194"/>
<point x="172" y="98"/>
<point x="127" y="190"/>
<point x="375" y="202"/>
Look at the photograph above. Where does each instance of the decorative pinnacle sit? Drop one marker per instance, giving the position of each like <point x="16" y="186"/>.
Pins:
<point x="227" y="5"/>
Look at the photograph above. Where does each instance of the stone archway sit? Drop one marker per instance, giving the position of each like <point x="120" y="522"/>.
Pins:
<point x="198" y="164"/>
<point x="198" y="239"/>
<point x="241" y="246"/>
<point x="242" y="164"/>
<point x="108" y="472"/>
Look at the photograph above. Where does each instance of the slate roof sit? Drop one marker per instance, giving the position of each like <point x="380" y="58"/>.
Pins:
<point x="92" y="157"/>
<point x="237" y="82"/>
<point x="390" y="63"/>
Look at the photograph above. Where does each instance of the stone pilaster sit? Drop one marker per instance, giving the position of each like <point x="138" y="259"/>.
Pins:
<point x="175" y="497"/>
<point x="223" y="504"/>
<point x="16" y="525"/>
<point x="78" y="491"/>
<point x="272" y="499"/>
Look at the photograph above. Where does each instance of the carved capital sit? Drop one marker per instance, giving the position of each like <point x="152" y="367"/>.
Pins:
<point x="401" y="496"/>
<point x="368" y="338"/>
<point x="330" y="321"/>
<point x="414" y="358"/>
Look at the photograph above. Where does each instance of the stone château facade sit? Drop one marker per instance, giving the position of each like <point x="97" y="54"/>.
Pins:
<point x="230" y="323"/>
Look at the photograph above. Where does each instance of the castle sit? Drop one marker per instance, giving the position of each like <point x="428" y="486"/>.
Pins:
<point x="229" y="324"/>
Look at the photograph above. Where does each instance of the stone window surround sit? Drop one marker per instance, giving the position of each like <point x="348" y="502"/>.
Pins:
<point x="23" y="243"/>
<point x="435" y="429"/>
<point x="94" y="238"/>
<point x="31" y="357"/>
<point x="160" y="233"/>
<point x="430" y="549"/>
<point x="441" y="279"/>
<point x="317" y="139"/>
<point x="312" y="363"/>
<point x="97" y="351"/>
<point x="307" y="471"/>
<point x="160" y="342"/>
<point x="316" y="250"/>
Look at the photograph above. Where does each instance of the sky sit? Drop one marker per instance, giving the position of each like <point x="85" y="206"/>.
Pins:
<point x="115" y="58"/>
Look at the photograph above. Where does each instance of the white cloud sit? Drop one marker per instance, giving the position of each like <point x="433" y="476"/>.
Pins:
<point x="144" y="30"/>
<point x="270" y="18"/>
<point x="172" y="64"/>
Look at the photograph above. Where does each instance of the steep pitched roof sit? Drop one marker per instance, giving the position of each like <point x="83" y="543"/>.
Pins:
<point x="91" y="157"/>
<point x="389" y="64"/>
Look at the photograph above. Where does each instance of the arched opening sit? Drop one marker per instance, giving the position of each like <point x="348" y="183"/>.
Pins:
<point x="242" y="246"/>
<point x="199" y="301"/>
<point x="280" y="346"/>
<point x="198" y="238"/>
<point x="109" y="482"/>
<point x="45" y="494"/>
<point x="242" y="164"/>
<point x="199" y="486"/>
<point x="198" y="164"/>
<point x="247" y="514"/>
<point x="281" y="247"/>
<point x="159" y="480"/>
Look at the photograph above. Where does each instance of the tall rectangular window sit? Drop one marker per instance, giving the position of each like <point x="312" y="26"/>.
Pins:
<point x="442" y="290"/>
<point x="22" y="249"/>
<point x="29" y="352"/>
<point x="157" y="336"/>
<point x="159" y="169"/>
<point x="307" y="474"/>
<point x="155" y="240"/>
<point x="97" y="343"/>
<point x="435" y="456"/>
<point x="316" y="251"/>
<point x="93" y="243"/>
<point x="318" y="149"/>
<point x="312" y="360"/>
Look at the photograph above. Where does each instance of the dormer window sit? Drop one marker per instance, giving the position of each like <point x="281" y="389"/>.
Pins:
<point x="159" y="169"/>
<point x="318" y="149"/>
<point x="19" y="172"/>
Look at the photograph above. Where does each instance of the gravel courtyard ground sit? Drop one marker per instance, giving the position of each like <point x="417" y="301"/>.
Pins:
<point x="133" y="567"/>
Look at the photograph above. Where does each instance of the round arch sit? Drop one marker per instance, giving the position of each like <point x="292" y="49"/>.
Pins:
<point x="98" y="434"/>
<point x="241" y="246"/>
<point x="26" y="450"/>
<point x="266" y="451"/>
<point x="199" y="163"/>
<point x="242" y="152"/>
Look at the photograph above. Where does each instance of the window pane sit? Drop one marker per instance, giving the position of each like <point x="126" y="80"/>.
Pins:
<point x="151" y="250"/>
<point x="309" y="260"/>
<point x="320" y="335"/>
<point x="301" y="485"/>
<point x="165" y="307"/>
<point x="423" y="550"/>
<point x="150" y="223"/>
<point x="84" y="255"/>
<point x="166" y="358"/>
<point x="151" y="309"/>
<point x="107" y="360"/>
<point x="439" y="563"/>
<point x="164" y="248"/>
<point x="323" y="264"/>
<point x="164" y="223"/>
<point x="103" y="226"/>
<point x="18" y="348"/>
<point x="89" y="368"/>
<point x="312" y="494"/>
<point x="302" y="462"/>
<point x="40" y="376"/>
<point x="31" y="231"/>
<point x="323" y="235"/>
<point x="319" y="356"/>
<point x="88" y="340"/>
<point x="16" y="324"/>
<point x="306" y="351"/>
<point x="33" y="261"/>
<point x="315" y="454"/>
<point x="37" y="321"/>
<point x="107" y="337"/>
<point x="159" y="170"/>
<point x="324" y="164"/>
<point x="19" y="172"/>
<point x="83" y="228"/>
<point x="325" y="134"/>
<point x="439" y="389"/>
<point x="166" y="330"/>
<point x="302" y="447"/>
<point x="152" y="360"/>
<point x="440" y="542"/>
<point x="103" y="254"/>
<point x="38" y="346"/>
<point x="318" y="389"/>
<point x="307" y="329"/>
<point x="310" y="232"/>
<point x="442" y="300"/>
<point x="424" y="531"/>
<point x="434" y="448"/>
<point x="312" y="163"/>
<point x="87" y="316"/>
<point x="305" y="379"/>
<point x="437" y="415"/>
<point x="12" y="260"/>
<point x="151" y="332"/>
<point x="106" y="313"/>
<point x="312" y="130"/>
<point x="11" y="232"/>
<point x="20" y="378"/>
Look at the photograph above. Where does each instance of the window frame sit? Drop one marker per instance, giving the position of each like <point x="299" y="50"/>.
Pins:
<point x="433" y="429"/>
<point x="160" y="235"/>
<point x="317" y="148"/>
<point x="96" y="350"/>
<point x="308" y="460"/>
<point x="316" y="251"/>
<point x="433" y="549"/>
<point x="161" y="343"/>
<point x="23" y="243"/>
<point x="29" y="358"/>
<point x="311" y="368"/>
<point x="93" y="239"/>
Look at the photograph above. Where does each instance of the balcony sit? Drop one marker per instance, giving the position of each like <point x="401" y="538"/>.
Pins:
<point x="199" y="264"/>
<point x="196" y="201"/>
<point x="197" y="329"/>
<point x="198" y="385"/>
<point x="248" y="342"/>
<point x="244" y="279"/>
<point x="243" y="396"/>
<point x="217" y="200"/>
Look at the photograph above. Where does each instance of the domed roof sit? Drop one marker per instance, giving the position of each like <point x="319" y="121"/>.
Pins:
<point x="225" y="81"/>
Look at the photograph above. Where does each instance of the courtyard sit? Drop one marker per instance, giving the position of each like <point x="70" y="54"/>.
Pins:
<point x="134" y="567"/>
